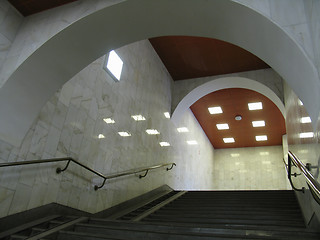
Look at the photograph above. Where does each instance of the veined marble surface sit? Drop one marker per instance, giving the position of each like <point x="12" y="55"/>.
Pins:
<point x="70" y="123"/>
<point x="250" y="169"/>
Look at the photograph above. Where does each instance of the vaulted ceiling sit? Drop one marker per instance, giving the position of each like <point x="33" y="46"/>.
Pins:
<point x="188" y="57"/>
<point x="194" y="57"/>
<point x="234" y="102"/>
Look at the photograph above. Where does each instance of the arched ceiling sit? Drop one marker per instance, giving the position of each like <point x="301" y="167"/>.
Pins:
<point x="234" y="102"/>
<point x="235" y="25"/>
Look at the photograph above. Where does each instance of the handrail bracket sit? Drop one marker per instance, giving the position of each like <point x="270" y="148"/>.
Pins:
<point x="96" y="187"/>
<point x="142" y="176"/>
<point x="59" y="170"/>
<point x="173" y="164"/>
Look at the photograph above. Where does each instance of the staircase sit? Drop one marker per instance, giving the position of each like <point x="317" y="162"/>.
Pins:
<point x="188" y="215"/>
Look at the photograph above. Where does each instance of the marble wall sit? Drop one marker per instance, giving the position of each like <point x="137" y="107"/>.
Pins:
<point x="259" y="168"/>
<point x="10" y="22"/>
<point x="38" y="28"/>
<point x="299" y="18"/>
<point x="306" y="149"/>
<point x="70" y="123"/>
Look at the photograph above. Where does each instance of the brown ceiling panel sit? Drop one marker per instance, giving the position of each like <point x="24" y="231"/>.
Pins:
<point x="192" y="57"/>
<point x="28" y="7"/>
<point x="234" y="102"/>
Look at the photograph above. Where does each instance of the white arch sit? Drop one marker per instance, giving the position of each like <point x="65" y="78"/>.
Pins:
<point x="69" y="51"/>
<point x="224" y="83"/>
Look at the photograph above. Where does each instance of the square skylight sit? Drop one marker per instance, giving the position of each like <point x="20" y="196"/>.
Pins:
<point x="305" y="120"/>
<point x="306" y="135"/>
<point x="152" y="131"/>
<point x="261" y="138"/>
<point x="101" y="136"/>
<point x="183" y="129"/>
<point x="192" y="142"/>
<point x="138" y="117"/>
<point x="255" y="106"/>
<point x="260" y="123"/>
<point x="114" y="65"/>
<point x="167" y="114"/>
<point x="164" y="144"/>
<point x="215" y="110"/>
<point x="228" y="140"/>
<point x="109" y="120"/>
<point x="124" y="134"/>
<point x="222" y="126"/>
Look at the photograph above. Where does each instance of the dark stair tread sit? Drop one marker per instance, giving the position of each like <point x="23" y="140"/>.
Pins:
<point x="180" y="229"/>
<point x="139" y="232"/>
<point x="229" y="216"/>
<point x="109" y="223"/>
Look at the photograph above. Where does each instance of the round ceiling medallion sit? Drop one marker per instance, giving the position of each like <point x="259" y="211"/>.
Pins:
<point x="238" y="117"/>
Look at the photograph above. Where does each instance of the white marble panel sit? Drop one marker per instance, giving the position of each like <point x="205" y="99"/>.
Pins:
<point x="11" y="23"/>
<point x="262" y="6"/>
<point x="288" y="12"/>
<point x="6" y="196"/>
<point x="301" y="33"/>
<point x="52" y="142"/>
<point x="21" y="198"/>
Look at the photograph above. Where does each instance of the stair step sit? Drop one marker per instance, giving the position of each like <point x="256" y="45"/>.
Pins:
<point x="228" y="216"/>
<point x="147" y="224"/>
<point x="163" y="232"/>
<point x="227" y="221"/>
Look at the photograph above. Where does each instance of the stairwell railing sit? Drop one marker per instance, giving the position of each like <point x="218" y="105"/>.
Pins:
<point x="105" y="177"/>
<point x="312" y="183"/>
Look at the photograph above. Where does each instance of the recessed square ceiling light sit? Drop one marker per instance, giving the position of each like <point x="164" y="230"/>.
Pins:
<point x="222" y="126"/>
<point x="215" y="110"/>
<point x="101" y="136"/>
<point x="114" y="65"/>
<point x="260" y="123"/>
<point x="183" y="129"/>
<point x="264" y="153"/>
<point x="305" y="120"/>
<point x="192" y="142"/>
<point x="235" y="154"/>
<point x="306" y="135"/>
<point x="255" y="106"/>
<point x="138" y="117"/>
<point x="167" y="114"/>
<point x="228" y="140"/>
<point x="261" y="138"/>
<point x="109" y="120"/>
<point x="124" y="134"/>
<point x="164" y="144"/>
<point x="152" y="131"/>
<point x="303" y="151"/>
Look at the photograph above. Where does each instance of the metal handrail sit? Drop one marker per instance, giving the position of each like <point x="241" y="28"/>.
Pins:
<point x="69" y="159"/>
<point x="311" y="181"/>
